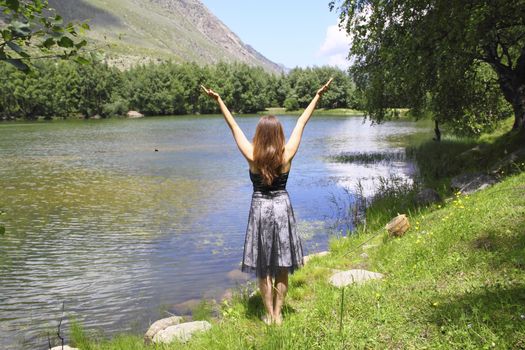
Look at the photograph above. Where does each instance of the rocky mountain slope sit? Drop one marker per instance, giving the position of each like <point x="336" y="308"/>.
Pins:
<point x="139" y="30"/>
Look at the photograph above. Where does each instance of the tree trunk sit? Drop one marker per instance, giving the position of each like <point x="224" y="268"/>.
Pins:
<point x="437" y="131"/>
<point x="518" y="105"/>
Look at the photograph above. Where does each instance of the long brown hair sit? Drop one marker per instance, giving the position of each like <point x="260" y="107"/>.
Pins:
<point x="268" y="148"/>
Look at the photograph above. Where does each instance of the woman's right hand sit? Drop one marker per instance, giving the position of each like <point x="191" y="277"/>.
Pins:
<point x="211" y="93"/>
<point x="323" y="88"/>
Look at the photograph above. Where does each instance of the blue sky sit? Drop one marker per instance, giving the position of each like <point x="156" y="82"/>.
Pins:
<point x="291" y="32"/>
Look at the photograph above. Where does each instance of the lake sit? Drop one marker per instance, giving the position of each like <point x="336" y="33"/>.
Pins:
<point x="120" y="234"/>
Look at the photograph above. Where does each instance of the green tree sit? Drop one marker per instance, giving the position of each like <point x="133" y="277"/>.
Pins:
<point x="456" y="59"/>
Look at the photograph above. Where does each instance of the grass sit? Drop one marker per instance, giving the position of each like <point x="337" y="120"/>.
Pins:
<point x="369" y="157"/>
<point x="455" y="280"/>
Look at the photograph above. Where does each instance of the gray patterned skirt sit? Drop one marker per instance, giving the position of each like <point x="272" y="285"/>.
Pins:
<point x="271" y="240"/>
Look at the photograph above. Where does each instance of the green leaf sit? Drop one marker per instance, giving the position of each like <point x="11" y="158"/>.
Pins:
<point x="57" y="20"/>
<point x="97" y="56"/>
<point x="18" y="64"/>
<point x="81" y="44"/>
<point x="50" y="42"/>
<point x="7" y="35"/>
<point x="65" y="42"/>
<point x="85" y="26"/>
<point x="14" y="47"/>
<point x="82" y="60"/>
<point x="13" y="5"/>
<point x="2" y="229"/>
<point x="20" y="29"/>
<point x="57" y="29"/>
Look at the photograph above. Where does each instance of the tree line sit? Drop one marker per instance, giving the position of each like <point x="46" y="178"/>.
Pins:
<point x="66" y="89"/>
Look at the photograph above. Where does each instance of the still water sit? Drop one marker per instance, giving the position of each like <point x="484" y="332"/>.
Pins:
<point x="120" y="233"/>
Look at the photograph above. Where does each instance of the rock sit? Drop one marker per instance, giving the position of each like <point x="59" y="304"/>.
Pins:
<point x="66" y="347"/>
<point x="160" y="325"/>
<point x="181" y="332"/>
<point x="427" y="196"/>
<point x="134" y="114"/>
<point x="96" y="116"/>
<point x="310" y="256"/>
<point x="186" y="307"/>
<point x="344" y="278"/>
<point x="227" y="295"/>
<point x="398" y="226"/>
<point x="473" y="153"/>
<point x="471" y="182"/>
<point x="507" y="161"/>
<point x="238" y="276"/>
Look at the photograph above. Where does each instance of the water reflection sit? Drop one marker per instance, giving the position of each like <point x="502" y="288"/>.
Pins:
<point x="120" y="233"/>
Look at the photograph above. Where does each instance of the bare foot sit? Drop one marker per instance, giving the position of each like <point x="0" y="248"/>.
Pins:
<point x="268" y="319"/>
<point x="278" y="320"/>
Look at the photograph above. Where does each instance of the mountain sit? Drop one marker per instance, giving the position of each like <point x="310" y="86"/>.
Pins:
<point x="142" y="30"/>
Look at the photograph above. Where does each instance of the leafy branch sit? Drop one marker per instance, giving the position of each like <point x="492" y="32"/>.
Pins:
<point x="31" y="29"/>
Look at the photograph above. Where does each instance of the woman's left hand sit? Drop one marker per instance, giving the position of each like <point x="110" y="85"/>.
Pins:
<point x="211" y="93"/>
<point x="323" y="88"/>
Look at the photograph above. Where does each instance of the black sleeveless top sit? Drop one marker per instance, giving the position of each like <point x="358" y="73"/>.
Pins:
<point x="279" y="183"/>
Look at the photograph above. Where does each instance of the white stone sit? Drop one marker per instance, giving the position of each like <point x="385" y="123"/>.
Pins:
<point x="181" y="332"/>
<point x="345" y="278"/>
<point x="160" y="325"/>
<point x="66" y="347"/>
<point x="308" y="257"/>
<point x="134" y="114"/>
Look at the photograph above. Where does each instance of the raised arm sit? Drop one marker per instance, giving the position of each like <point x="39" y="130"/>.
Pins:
<point x="292" y="145"/>
<point x="244" y="145"/>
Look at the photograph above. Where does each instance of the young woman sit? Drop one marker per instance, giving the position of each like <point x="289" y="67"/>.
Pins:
<point x="272" y="247"/>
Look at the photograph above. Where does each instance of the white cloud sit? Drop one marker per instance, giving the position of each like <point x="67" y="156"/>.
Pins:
<point x="335" y="47"/>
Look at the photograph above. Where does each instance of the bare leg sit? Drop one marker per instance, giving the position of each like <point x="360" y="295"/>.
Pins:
<point x="265" y="286"/>
<point x="281" y="287"/>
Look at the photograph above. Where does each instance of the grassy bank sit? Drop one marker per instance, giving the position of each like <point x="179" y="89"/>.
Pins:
<point x="455" y="280"/>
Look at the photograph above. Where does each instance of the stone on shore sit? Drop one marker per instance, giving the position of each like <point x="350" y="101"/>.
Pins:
<point x="181" y="332"/>
<point x="509" y="160"/>
<point x="159" y="326"/>
<point x="186" y="307"/>
<point x="134" y="114"/>
<point x="66" y="347"/>
<point x="227" y="295"/>
<point x="345" y="278"/>
<point x="308" y="257"/>
<point x="471" y="182"/>
<point x="427" y="196"/>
